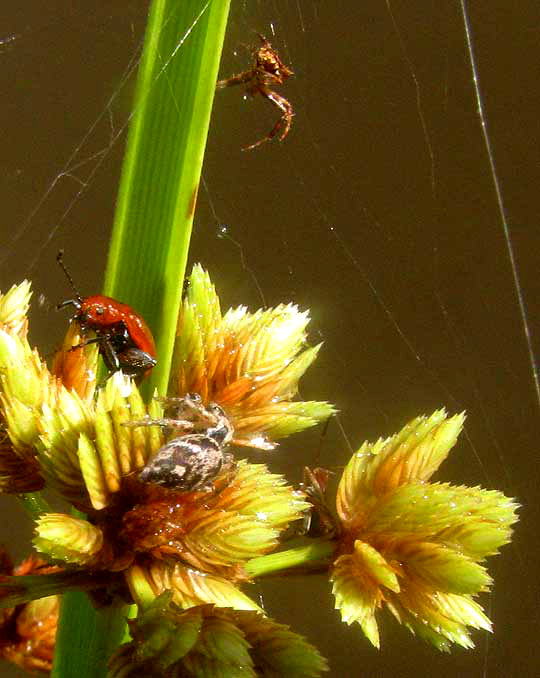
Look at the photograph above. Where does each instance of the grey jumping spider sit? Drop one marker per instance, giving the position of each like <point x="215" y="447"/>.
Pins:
<point x="192" y="460"/>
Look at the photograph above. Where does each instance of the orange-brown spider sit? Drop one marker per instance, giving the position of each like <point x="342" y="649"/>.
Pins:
<point x="268" y="71"/>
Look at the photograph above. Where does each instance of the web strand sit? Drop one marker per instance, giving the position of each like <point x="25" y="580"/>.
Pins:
<point x="101" y="155"/>
<point x="500" y="203"/>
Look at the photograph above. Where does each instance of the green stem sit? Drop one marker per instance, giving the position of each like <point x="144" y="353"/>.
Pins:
<point x="140" y="588"/>
<point x="314" y="556"/>
<point x="150" y="240"/>
<point x="20" y="589"/>
<point x="83" y="649"/>
<point x="162" y="168"/>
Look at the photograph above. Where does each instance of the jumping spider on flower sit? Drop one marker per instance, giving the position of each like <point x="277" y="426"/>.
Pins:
<point x="192" y="460"/>
<point x="267" y="72"/>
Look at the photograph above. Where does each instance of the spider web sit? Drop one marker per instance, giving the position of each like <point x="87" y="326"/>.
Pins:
<point x="398" y="210"/>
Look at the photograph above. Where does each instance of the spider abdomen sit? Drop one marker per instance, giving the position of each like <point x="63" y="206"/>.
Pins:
<point x="187" y="463"/>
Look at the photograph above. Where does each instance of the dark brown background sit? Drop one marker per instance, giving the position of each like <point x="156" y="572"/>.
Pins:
<point x="408" y="279"/>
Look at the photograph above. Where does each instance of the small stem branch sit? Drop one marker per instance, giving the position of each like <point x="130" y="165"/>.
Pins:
<point x="16" y="590"/>
<point x="314" y="556"/>
<point x="139" y="587"/>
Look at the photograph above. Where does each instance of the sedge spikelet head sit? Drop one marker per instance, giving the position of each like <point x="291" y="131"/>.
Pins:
<point x="249" y="363"/>
<point x="211" y="641"/>
<point x="412" y="546"/>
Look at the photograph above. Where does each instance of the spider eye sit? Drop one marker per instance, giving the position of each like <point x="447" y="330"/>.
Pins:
<point x="100" y="310"/>
<point x="216" y="410"/>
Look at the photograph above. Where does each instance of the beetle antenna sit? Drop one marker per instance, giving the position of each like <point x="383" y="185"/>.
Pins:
<point x="60" y="260"/>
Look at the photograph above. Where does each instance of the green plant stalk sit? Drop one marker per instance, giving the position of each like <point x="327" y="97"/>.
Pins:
<point x="315" y="555"/>
<point x="150" y="239"/>
<point x="162" y="167"/>
<point x="83" y="650"/>
<point x="19" y="589"/>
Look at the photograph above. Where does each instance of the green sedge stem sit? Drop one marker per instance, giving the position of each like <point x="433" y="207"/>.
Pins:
<point x="20" y="589"/>
<point x="317" y="553"/>
<point x="83" y="649"/>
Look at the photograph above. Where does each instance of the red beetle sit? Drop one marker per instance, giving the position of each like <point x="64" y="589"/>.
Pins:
<point x="125" y="341"/>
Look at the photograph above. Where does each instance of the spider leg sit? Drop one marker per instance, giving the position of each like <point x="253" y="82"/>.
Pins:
<point x="183" y="404"/>
<point x="283" y="123"/>
<point x="238" y="79"/>
<point x="164" y="423"/>
<point x="190" y="408"/>
<point x="286" y="116"/>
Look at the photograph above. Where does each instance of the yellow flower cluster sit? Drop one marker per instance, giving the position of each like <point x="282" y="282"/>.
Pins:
<point x="62" y="431"/>
<point x="397" y="541"/>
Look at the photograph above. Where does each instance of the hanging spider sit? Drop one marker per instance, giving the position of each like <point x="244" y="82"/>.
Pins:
<point x="267" y="72"/>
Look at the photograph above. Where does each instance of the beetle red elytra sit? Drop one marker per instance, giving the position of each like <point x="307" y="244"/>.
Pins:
<point x="124" y="339"/>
